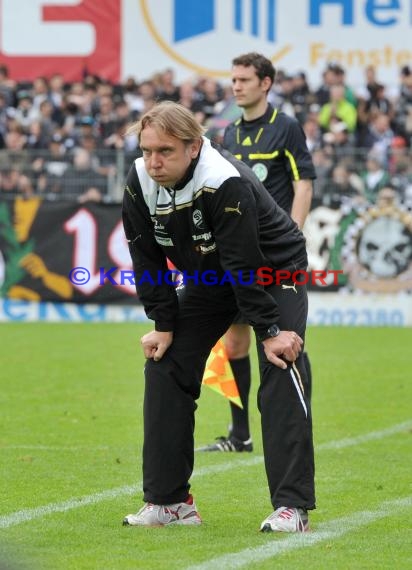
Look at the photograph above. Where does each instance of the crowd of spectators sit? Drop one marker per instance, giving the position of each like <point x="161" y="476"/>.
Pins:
<point x="70" y="141"/>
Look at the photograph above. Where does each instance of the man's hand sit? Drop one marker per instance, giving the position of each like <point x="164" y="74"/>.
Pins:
<point x="156" y="343"/>
<point x="287" y="344"/>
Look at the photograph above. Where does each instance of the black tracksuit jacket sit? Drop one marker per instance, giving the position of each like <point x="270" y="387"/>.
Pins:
<point x="219" y="218"/>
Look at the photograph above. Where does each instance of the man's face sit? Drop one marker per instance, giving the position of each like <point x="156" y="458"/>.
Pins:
<point x="248" y="89"/>
<point x="166" y="158"/>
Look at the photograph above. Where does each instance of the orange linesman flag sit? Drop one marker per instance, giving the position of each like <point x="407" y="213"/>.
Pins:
<point x="219" y="376"/>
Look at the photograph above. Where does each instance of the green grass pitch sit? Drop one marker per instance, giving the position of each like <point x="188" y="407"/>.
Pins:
<point x="71" y="440"/>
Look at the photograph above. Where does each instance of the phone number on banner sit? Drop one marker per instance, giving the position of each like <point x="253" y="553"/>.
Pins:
<point x="368" y="311"/>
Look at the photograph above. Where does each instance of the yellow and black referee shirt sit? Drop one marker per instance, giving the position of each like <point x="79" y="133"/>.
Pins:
<point x="274" y="146"/>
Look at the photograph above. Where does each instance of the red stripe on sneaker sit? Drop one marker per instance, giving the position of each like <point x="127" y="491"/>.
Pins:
<point x="286" y="514"/>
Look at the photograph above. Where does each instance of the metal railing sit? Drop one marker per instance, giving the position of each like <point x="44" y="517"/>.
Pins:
<point x="341" y="173"/>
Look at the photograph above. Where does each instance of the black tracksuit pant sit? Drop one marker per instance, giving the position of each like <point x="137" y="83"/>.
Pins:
<point x="173" y="384"/>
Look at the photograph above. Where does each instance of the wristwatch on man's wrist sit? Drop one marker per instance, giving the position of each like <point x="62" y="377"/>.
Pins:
<point x="271" y="332"/>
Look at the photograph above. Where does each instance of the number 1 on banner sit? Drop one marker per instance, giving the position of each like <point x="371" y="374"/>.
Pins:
<point x="84" y="228"/>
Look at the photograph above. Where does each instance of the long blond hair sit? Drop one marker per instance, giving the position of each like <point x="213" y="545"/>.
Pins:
<point x="171" y="118"/>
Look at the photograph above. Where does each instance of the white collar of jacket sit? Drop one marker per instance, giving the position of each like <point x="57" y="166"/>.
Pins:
<point x="211" y="171"/>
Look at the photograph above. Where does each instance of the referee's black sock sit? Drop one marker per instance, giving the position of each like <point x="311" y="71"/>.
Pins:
<point x="240" y="418"/>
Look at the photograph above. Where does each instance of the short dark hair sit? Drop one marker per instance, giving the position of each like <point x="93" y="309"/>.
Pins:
<point x="263" y="65"/>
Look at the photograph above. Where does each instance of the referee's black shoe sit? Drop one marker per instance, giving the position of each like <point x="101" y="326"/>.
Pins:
<point x="230" y="443"/>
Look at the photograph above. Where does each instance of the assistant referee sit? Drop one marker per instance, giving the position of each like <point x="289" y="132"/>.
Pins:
<point x="273" y="144"/>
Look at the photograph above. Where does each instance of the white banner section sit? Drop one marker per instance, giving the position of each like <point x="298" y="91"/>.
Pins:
<point x="325" y="309"/>
<point x="337" y="309"/>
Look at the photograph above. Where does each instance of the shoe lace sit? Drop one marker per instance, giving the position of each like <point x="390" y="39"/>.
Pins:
<point x="301" y="524"/>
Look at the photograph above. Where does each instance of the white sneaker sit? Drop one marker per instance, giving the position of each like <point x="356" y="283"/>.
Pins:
<point x="286" y="519"/>
<point x="161" y="515"/>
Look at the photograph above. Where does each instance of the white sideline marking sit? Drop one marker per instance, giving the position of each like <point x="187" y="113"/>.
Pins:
<point x="324" y="531"/>
<point x="25" y="515"/>
<point x="348" y="441"/>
